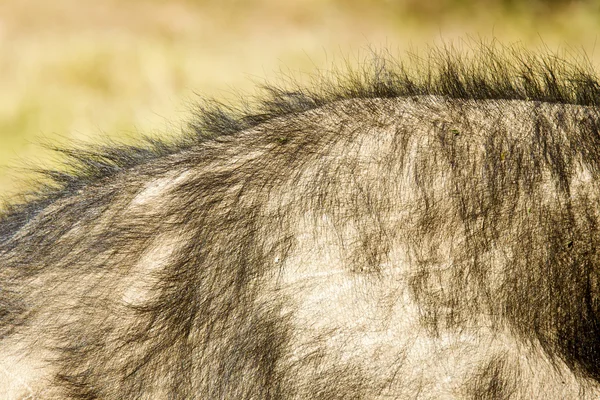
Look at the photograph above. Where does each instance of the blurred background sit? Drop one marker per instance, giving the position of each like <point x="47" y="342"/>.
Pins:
<point x="90" y="69"/>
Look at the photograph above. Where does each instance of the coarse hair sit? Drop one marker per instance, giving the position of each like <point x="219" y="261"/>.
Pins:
<point x="476" y="176"/>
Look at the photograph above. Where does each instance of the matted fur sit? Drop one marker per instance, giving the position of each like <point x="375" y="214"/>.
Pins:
<point x="411" y="231"/>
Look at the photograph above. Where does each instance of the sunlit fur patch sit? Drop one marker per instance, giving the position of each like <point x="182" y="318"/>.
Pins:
<point x="157" y="189"/>
<point x="342" y="318"/>
<point x="142" y="281"/>
<point x="24" y="373"/>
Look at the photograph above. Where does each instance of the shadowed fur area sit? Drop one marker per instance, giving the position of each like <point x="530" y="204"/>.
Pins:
<point x="426" y="229"/>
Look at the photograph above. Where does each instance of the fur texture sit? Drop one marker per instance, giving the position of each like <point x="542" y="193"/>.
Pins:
<point x="417" y="230"/>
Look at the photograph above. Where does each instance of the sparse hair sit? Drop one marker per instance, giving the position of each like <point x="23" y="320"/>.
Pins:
<point x="466" y="186"/>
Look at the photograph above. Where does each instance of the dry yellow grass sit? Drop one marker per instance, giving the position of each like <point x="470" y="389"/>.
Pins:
<point x="79" y="69"/>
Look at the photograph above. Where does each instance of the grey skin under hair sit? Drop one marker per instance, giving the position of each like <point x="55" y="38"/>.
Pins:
<point x="417" y="230"/>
